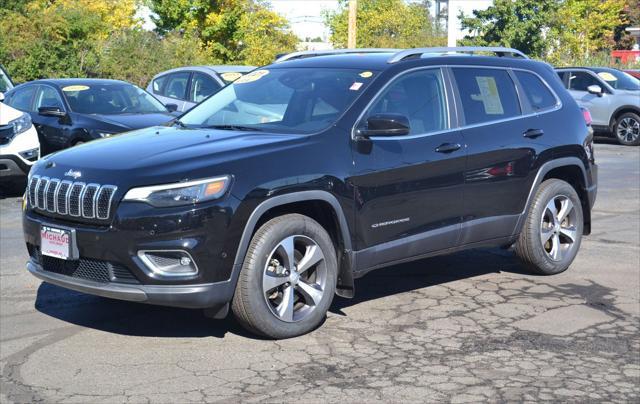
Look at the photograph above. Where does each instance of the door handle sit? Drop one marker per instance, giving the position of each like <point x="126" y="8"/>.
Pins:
<point x="533" y="133"/>
<point x="448" y="147"/>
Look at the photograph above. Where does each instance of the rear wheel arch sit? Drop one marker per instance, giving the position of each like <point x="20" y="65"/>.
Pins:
<point x="321" y="206"/>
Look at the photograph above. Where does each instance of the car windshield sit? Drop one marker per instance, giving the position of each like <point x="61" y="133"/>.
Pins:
<point x="110" y="99"/>
<point x="5" y="83"/>
<point x="288" y="100"/>
<point x="618" y="80"/>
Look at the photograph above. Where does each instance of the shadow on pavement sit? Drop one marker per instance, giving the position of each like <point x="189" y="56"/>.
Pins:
<point x="137" y="319"/>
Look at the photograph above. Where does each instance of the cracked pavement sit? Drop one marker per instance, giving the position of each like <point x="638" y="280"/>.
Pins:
<point x="466" y="327"/>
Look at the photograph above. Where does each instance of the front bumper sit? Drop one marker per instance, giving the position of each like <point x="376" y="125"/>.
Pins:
<point x="13" y="166"/>
<point x="188" y="296"/>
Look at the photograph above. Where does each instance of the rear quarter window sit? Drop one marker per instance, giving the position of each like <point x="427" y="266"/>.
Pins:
<point x="536" y="92"/>
<point x="486" y="94"/>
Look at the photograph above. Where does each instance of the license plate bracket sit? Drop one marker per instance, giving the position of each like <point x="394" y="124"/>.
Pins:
<point x="58" y="242"/>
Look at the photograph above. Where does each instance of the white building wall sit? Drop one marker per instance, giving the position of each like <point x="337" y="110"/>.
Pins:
<point x="454" y="31"/>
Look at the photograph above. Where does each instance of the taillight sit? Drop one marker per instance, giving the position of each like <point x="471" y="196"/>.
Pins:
<point x="587" y="116"/>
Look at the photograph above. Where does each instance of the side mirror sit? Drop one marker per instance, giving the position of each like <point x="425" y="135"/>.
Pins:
<point x="171" y="107"/>
<point x="386" y="125"/>
<point x="52" y="111"/>
<point x="595" y="90"/>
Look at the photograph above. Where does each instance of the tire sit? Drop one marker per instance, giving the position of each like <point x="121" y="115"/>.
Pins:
<point x="299" y="301"/>
<point x="543" y="222"/>
<point x="627" y="129"/>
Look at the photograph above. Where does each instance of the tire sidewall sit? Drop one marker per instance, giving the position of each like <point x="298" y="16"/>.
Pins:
<point x="615" y="129"/>
<point x="551" y="190"/>
<point x="265" y="241"/>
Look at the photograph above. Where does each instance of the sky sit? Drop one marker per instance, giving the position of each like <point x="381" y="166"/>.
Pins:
<point x="305" y="16"/>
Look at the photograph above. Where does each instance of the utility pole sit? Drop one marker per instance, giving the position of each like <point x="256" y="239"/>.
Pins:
<point x="351" y="40"/>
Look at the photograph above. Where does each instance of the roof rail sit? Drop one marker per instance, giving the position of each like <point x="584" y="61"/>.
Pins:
<point x="312" y="53"/>
<point x="499" y="51"/>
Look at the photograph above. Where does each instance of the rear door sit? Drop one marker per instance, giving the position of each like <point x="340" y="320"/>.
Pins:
<point x="500" y="155"/>
<point x="408" y="189"/>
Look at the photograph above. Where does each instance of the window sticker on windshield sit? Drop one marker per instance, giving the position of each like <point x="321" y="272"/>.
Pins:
<point x="488" y="95"/>
<point x="231" y="76"/>
<point x="355" y="86"/>
<point x="606" y="76"/>
<point x="251" y="77"/>
<point x="366" y="75"/>
<point x="75" y="88"/>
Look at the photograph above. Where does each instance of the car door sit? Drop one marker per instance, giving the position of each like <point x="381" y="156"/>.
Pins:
<point x="408" y="189"/>
<point x="201" y="86"/>
<point x="502" y="146"/>
<point x="53" y="129"/>
<point x="172" y="89"/>
<point x="599" y="106"/>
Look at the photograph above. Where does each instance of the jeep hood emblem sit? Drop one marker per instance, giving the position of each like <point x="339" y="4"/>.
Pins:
<point x="74" y="174"/>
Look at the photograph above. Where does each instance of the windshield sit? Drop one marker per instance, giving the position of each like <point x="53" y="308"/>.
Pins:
<point x="618" y="80"/>
<point x="295" y="100"/>
<point x="5" y="83"/>
<point x="110" y="99"/>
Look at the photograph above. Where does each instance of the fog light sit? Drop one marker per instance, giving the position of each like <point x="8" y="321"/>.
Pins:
<point x="168" y="263"/>
<point x="31" y="154"/>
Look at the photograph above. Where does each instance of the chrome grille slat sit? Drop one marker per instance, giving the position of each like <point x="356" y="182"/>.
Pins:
<point x="77" y="199"/>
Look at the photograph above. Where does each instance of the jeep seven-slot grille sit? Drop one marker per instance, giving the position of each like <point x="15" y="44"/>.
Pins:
<point x="89" y="201"/>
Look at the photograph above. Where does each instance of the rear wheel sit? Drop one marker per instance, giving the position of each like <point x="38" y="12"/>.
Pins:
<point x="552" y="233"/>
<point x="627" y="129"/>
<point x="288" y="278"/>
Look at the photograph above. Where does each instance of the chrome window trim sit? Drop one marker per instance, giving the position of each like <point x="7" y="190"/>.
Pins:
<point x="102" y="188"/>
<point x="558" y="105"/>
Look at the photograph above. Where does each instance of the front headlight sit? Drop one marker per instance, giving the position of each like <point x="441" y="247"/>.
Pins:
<point x="181" y="193"/>
<point x="21" y="124"/>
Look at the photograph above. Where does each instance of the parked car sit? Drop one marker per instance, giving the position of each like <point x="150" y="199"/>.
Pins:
<point x="5" y="81"/>
<point x="279" y="190"/>
<point x="634" y="73"/>
<point x="612" y="97"/>
<point x="67" y="112"/>
<point x="187" y="86"/>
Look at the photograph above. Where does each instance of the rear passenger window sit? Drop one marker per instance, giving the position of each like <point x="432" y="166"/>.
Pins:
<point x="538" y="94"/>
<point x="486" y="94"/>
<point x="420" y="97"/>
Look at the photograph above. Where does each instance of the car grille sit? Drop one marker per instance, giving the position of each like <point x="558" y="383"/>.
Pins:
<point x="76" y="199"/>
<point x="87" y="269"/>
<point x="6" y="134"/>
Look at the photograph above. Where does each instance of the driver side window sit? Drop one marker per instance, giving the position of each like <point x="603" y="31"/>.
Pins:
<point x="48" y="97"/>
<point x="420" y="97"/>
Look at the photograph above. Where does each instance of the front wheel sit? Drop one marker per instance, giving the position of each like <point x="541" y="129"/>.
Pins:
<point x="552" y="233"/>
<point x="288" y="278"/>
<point x="627" y="129"/>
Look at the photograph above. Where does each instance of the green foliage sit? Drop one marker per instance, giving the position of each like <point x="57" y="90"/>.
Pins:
<point x="231" y="31"/>
<point x="386" y="24"/>
<point x="519" y="24"/>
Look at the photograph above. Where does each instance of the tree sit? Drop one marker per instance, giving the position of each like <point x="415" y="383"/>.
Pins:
<point x="631" y="18"/>
<point x="244" y="31"/>
<point x="520" y="24"/>
<point x="386" y="24"/>
<point x="585" y="27"/>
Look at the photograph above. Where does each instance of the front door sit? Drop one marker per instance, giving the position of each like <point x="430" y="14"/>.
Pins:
<point x="54" y="130"/>
<point x="598" y="105"/>
<point x="408" y="189"/>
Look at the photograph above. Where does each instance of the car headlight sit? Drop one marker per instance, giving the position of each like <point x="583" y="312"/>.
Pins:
<point x="181" y="193"/>
<point x="21" y="124"/>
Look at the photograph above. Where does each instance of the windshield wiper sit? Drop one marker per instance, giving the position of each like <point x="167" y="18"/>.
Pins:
<point x="179" y="123"/>
<point x="233" y="127"/>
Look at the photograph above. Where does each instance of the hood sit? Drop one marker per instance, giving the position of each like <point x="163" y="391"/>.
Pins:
<point x="161" y="155"/>
<point x="127" y="122"/>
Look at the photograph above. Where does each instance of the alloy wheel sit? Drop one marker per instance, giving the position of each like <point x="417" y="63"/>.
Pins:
<point x="294" y="278"/>
<point x="558" y="230"/>
<point x="628" y="129"/>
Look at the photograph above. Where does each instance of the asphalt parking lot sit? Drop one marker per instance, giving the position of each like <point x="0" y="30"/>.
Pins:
<point x="466" y="327"/>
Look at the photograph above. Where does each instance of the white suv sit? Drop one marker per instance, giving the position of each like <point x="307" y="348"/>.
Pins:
<point x="19" y="145"/>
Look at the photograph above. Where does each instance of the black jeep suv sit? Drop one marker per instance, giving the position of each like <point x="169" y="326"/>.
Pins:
<point x="278" y="191"/>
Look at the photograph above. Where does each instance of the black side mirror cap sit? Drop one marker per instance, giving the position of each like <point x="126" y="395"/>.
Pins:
<point x="386" y="125"/>
<point x="171" y="107"/>
<point x="52" y="111"/>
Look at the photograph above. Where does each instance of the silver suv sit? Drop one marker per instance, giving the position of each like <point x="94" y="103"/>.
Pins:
<point x="612" y="97"/>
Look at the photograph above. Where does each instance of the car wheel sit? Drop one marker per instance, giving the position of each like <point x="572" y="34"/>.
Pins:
<point x="288" y="278"/>
<point x="627" y="129"/>
<point x="551" y="235"/>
